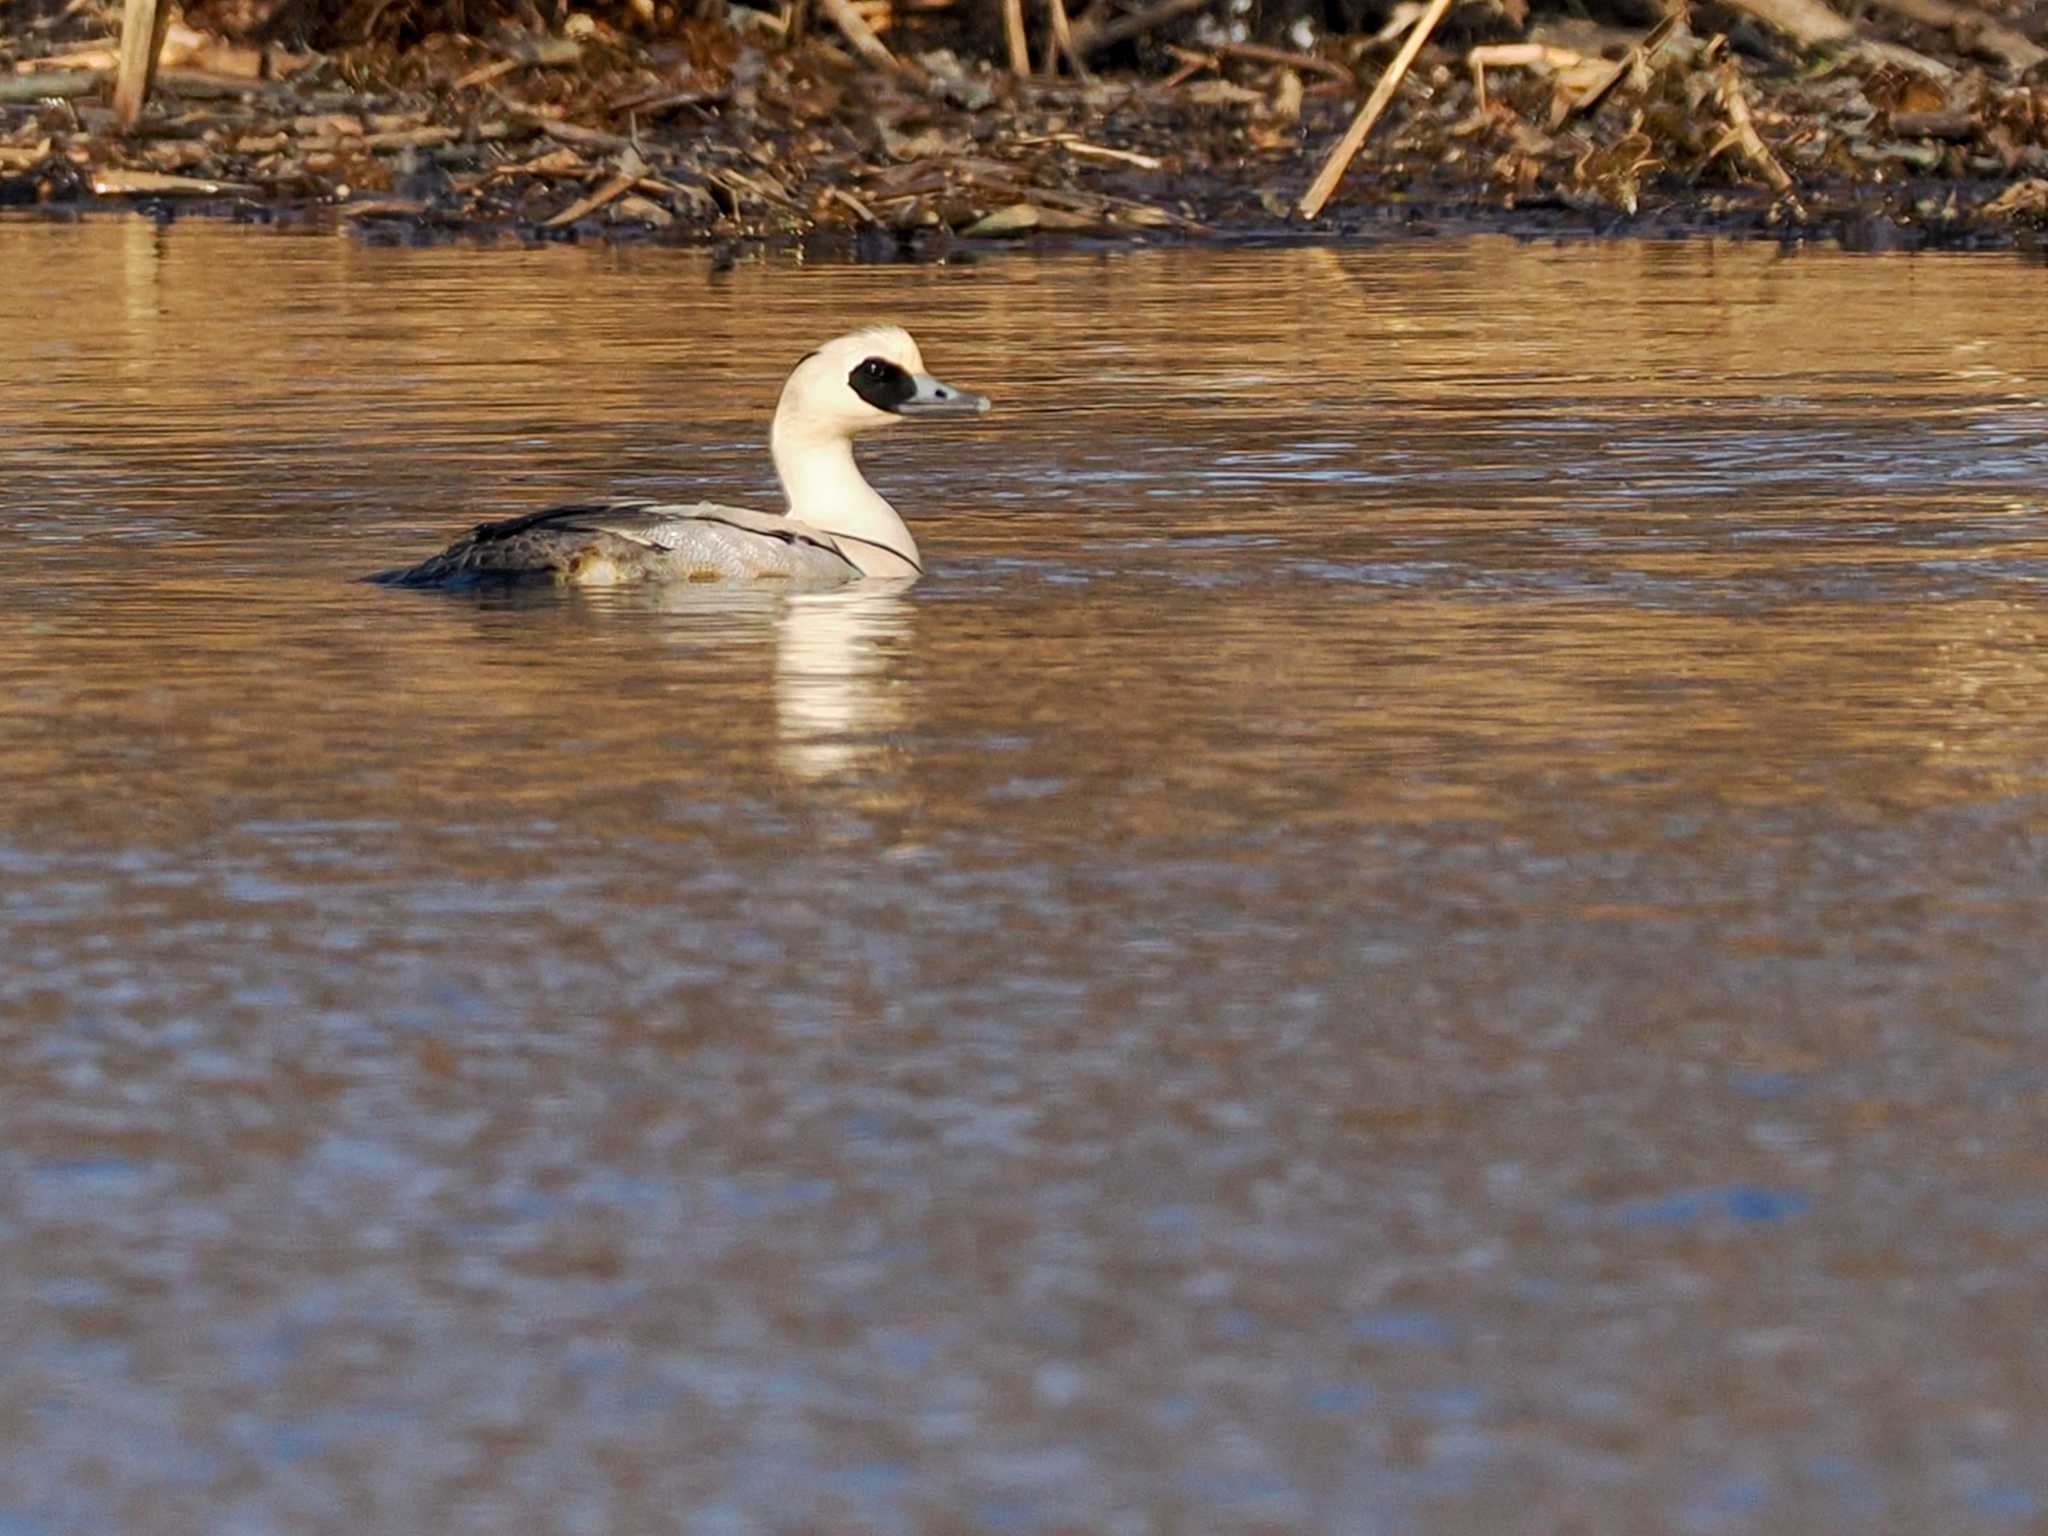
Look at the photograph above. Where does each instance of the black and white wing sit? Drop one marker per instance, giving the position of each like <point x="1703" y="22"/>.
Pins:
<point x="609" y="543"/>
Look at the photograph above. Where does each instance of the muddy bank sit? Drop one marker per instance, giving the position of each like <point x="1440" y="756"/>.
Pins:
<point x="720" y="133"/>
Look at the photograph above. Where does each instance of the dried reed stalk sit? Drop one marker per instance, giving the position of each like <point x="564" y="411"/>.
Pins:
<point x="143" y="24"/>
<point x="1013" y="29"/>
<point x="1333" y="170"/>
<point x="855" y="29"/>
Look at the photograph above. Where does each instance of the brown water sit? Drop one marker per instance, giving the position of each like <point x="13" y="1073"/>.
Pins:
<point x="1432" y="921"/>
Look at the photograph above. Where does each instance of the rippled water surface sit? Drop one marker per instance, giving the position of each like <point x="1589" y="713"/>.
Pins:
<point x="1432" y="920"/>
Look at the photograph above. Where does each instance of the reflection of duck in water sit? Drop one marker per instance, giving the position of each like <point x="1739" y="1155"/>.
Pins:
<point x="838" y="701"/>
<point x="836" y="530"/>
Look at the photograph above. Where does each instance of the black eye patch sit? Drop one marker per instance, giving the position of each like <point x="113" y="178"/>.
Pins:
<point x="882" y="384"/>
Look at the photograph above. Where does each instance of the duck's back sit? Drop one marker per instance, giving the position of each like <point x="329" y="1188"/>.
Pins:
<point x="613" y="543"/>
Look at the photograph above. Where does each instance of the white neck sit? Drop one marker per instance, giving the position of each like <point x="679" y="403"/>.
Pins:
<point x="825" y="488"/>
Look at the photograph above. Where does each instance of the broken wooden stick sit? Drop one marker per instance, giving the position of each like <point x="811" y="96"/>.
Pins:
<point x="113" y="181"/>
<point x="143" y="24"/>
<point x="1516" y="56"/>
<point x="1973" y="31"/>
<point x="860" y="209"/>
<point x="1809" y="22"/>
<point x="1638" y="51"/>
<point x="50" y="85"/>
<point x="1059" y="43"/>
<point x="613" y="189"/>
<point x="1190" y="65"/>
<point x="1013" y="30"/>
<point x="1307" y="63"/>
<point x="1087" y="151"/>
<point x="1812" y="24"/>
<point x="573" y="133"/>
<point x="555" y="52"/>
<point x="1318" y="193"/>
<point x="1742" y="135"/>
<point x="1951" y="127"/>
<point x="859" y="35"/>
<point x="1092" y="36"/>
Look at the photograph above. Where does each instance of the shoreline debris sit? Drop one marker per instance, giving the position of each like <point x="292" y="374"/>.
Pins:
<point x="893" y="126"/>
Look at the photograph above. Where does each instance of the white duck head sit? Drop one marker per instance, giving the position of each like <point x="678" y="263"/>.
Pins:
<point x="857" y="383"/>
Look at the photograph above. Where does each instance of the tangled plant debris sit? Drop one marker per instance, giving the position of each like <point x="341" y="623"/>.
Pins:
<point x="916" y="124"/>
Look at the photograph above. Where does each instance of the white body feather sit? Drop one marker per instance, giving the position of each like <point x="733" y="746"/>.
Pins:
<point x="705" y="541"/>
